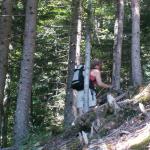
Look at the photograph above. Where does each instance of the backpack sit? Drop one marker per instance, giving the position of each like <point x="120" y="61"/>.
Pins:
<point x="78" y="78"/>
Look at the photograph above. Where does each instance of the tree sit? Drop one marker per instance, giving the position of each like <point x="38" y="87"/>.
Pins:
<point x="87" y="56"/>
<point x="117" y="49"/>
<point x="5" y="36"/>
<point x="21" y="127"/>
<point x="135" y="58"/>
<point x="74" y="57"/>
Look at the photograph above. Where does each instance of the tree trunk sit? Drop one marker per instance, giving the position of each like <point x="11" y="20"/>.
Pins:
<point x="21" y="127"/>
<point x="74" y="56"/>
<point x="5" y="33"/>
<point x="79" y="25"/>
<point x="136" y="59"/>
<point x="118" y="37"/>
<point x="87" y="57"/>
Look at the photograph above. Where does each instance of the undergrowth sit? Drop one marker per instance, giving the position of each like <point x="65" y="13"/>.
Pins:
<point x="35" y="140"/>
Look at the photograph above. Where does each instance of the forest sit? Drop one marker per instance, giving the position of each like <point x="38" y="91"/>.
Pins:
<point x="41" y="43"/>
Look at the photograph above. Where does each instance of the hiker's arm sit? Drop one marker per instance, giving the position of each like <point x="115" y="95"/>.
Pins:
<point x="99" y="80"/>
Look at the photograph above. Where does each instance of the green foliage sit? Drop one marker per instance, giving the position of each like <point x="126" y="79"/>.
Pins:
<point x="50" y="72"/>
<point x="51" y="56"/>
<point x="35" y="140"/>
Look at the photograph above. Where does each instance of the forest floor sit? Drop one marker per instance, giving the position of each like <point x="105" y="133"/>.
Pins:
<point x="128" y="130"/>
<point x="133" y="134"/>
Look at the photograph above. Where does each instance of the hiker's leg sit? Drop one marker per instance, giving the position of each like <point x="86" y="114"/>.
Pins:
<point x="74" y="106"/>
<point x="92" y="99"/>
<point x="80" y="100"/>
<point x="92" y="104"/>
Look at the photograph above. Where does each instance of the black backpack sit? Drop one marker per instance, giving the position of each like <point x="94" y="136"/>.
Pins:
<point x="78" y="78"/>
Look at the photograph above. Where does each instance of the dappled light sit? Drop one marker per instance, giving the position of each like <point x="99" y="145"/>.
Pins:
<point x="74" y="75"/>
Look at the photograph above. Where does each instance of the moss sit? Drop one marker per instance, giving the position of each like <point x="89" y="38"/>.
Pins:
<point x="84" y="123"/>
<point x="129" y="113"/>
<point x="145" y="98"/>
<point x="56" y="130"/>
<point x="75" y="145"/>
<point x="142" y="146"/>
<point x="103" y="132"/>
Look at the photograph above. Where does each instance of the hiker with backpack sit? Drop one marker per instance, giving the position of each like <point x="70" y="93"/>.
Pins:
<point x="95" y="80"/>
<point x="78" y="86"/>
<point x="78" y="90"/>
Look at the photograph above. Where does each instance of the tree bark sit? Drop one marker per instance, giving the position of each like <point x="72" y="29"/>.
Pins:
<point x="74" y="57"/>
<point x="118" y="34"/>
<point x="136" y="59"/>
<point x="5" y="35"/>
<point x="87" y="57"/>
<point x="79" y="26"/>
<point x="21" y="127"/>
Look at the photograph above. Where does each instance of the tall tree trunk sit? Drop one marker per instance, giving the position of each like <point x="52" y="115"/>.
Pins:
<point x="118" y="37"/>
<point x="21" y="127"/>
<point x="74" y="57"/>
<point x="5" y="33"/>
<point x="87" y="56"/>
<point x="79" y="25"/>
<point x="136" y="63"/>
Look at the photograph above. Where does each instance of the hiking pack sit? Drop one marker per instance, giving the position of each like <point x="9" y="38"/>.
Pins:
<point x="78" y="78"/>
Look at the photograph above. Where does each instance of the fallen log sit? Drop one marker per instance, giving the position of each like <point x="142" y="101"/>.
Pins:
<point x="144" y="95"/>
<point x="103" y="98"/>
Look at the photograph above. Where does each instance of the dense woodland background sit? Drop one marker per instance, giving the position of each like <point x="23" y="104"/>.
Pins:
<point x="51" y="32"/>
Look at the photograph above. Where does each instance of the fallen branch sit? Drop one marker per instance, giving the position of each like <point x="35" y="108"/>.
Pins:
<point x="121" y="96"/>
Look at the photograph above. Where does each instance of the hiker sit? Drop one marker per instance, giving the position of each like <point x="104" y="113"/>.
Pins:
<point x="95" y="80"/>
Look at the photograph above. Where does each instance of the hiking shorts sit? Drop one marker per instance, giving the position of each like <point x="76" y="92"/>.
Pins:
<point x="80" y="98"/>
